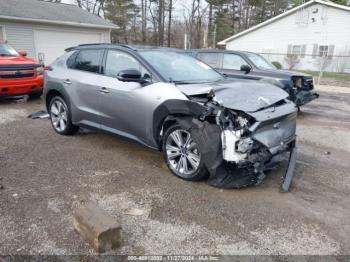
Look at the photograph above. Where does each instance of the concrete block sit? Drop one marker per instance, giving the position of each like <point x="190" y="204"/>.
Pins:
<point x="97" y="227"/>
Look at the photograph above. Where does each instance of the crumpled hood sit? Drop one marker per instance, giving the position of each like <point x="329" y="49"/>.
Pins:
<point x="243" y="95"/>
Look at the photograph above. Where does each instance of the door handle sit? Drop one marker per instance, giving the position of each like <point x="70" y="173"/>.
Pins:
<point x="67" y="82"/>
<point x="104" y="90"/>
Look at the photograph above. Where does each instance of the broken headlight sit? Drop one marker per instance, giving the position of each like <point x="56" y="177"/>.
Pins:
<point x="245" y="145"/>
<point x="297" y="82"/>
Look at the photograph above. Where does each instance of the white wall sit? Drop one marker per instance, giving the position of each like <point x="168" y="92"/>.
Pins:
<point x="331" y="26"/>
<point x="21" y="35"/>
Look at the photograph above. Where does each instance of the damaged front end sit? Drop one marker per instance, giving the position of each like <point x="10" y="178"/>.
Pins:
<point x="303" y="90"/>
<point x="238" y="148"/>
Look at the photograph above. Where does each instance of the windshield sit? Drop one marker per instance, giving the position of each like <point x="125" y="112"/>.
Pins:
<point x="260" y="62"/>
<point x="177" y="68"/>
<point x="6" y="50"/>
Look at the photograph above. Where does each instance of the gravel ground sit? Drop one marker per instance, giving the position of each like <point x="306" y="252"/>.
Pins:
<point x="45" y="176"/>
<point x="333" y="82"/>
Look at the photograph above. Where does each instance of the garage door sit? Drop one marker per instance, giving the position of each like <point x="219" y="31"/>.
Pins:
<point x="51" y="44"/>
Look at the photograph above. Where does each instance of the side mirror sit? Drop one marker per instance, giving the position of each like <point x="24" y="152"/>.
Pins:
<point x="22" y="53"/>
<point x="130" y="75"/>
<point x="246" y="68"/>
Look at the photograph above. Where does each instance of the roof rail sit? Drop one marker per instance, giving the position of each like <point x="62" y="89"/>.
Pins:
<point x="95" y="44"/>
<point x="127" y="46"/>
<point x="70" y="48"/>
<point x="82" y="45"/>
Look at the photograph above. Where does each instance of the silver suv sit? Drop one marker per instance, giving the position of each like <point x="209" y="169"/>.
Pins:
<point x="231" y="131"/>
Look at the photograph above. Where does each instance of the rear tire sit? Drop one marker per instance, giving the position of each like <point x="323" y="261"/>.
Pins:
<point x="182" y="154"/>
<point x="61" y="118"/>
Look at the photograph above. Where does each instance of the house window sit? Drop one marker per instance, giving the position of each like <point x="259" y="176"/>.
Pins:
<point x="296" y="50"/>
<point x="323" y="50"/>
<point x="2" y="33"/>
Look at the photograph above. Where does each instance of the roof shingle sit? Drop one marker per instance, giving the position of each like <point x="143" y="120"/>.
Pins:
<point x="51" y="12"/>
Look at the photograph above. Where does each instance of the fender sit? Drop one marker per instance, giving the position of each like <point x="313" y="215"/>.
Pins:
<point x="174" y="107"/>
<point x="52" y="87"/>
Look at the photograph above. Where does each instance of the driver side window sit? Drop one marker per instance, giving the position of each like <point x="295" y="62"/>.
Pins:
<point x="232" y="61"/>
<point x="117" y="61"/>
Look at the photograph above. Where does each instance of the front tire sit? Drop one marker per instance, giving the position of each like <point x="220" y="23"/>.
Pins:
<point x="60" y="117"/>
<point x="35" y="95"/>
<point x="182" y="155"/>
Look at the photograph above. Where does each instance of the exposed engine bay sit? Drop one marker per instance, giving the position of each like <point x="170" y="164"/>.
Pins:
<point x="238" y="148"/>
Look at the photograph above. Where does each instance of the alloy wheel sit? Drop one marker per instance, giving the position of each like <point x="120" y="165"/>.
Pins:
<point x="182" y="153"/>
<point x="59" y="116"/>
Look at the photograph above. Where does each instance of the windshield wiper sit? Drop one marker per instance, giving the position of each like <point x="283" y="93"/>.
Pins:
<point x="182" y="82"/>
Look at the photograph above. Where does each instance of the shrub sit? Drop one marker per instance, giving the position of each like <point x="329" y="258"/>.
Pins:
<point x="277" y="64"/>
<point x="292" y="60"/>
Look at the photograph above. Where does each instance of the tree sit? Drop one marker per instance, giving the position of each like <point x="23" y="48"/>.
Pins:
<point x="205" y="22"/>
<point x="93" y="6"/>
<point x="161" y="18"/>
<point x="144" y="21"/>
<point x="194" y="16"/>
<point x="170" y="21"/>
<point x="123" y="13"/>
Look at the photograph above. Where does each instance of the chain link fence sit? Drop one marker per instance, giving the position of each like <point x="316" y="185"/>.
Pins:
<point x="326" y="69"/>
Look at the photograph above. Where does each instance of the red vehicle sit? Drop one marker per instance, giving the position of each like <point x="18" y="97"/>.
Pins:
<point x="19" y="75"/>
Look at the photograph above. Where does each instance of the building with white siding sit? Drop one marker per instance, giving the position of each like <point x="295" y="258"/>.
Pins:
<point x="316" y="35"/>
<point x="46" y="29"/>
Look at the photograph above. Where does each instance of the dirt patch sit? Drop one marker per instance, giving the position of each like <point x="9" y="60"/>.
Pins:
<point x="46" y="176"/>
<point x="332" y="82"/>
<point x="9" y="115"/>
<point x="154" y="237"/>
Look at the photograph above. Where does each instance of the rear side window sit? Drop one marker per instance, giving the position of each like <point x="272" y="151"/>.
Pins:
<point x="87" y="60"/>
<point x="71" y="60"/>
<point x="211" y="59"/>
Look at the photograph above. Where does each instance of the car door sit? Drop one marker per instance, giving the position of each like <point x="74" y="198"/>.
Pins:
<point x="123" y="110"/>
<point x="231" y="67"/>
<point x="83" y="83"/>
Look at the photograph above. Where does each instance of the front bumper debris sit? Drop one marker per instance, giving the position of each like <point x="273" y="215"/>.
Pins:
<point x="304" y="97"/>
<point x="288" y="177"/>
<point x="242" y="169"/>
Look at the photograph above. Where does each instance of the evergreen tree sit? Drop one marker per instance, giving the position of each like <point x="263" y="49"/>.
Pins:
<point x="121" y="13"/>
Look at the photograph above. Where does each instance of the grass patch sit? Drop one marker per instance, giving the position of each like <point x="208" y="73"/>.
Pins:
<point x="330" y="75"/>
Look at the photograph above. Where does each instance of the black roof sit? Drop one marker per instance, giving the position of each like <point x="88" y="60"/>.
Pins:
<point x="130" y="47"/>
<point x="216" y="50"/>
